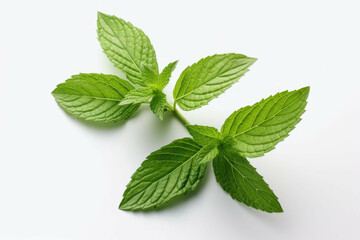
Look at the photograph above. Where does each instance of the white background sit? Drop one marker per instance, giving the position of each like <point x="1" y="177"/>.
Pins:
<point x="63" y="179"/>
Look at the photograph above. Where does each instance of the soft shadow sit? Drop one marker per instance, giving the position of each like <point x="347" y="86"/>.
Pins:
<point x="273" y="219"/>
<point x="178" y="201"/>
<point x="158" y="128"/>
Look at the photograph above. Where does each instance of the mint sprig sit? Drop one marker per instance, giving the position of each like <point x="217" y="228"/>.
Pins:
<point x="178" y="167"/>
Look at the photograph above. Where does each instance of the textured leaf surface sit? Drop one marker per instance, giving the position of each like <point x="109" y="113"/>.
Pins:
<point x="158" y="81"/>
<point x="208" y="152"/>
<point x="208" y="78"/>
<point x="157" y="105"/>
<point x="237" y="177"/>
<point x="137" y="95"/>
<point x="202" y="134"/>
<point x="95" y="97"/>
<point x="127" y="47"/>
<point x="165" y="75"/>
<point x="149" y="76"/>
<point x="255" y="130"/>
<point x="166" y="173"/>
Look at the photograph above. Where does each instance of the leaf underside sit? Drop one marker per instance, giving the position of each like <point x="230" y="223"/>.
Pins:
<point x="255" y="130"/>
<point x="207" y="79"/>
<point x="95" y="97"/>
<point x="127" y="47"/>
<point x="166" y="173"/>
<point x="237" y="177"/>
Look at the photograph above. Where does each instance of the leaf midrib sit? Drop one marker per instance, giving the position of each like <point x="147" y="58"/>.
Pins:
<point x="122" y="44"/>
<point x="281" y="109"/>
<point x="166" y="175"/>
<point x="89" y="96"/>
<point x="246" y="178"/>
<point x="196" y="88"/>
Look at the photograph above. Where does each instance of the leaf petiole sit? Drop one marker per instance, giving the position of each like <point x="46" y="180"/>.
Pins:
<point x="177" y="114"/>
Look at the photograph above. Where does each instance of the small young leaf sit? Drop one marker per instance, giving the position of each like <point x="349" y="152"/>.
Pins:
<point x="95" y="97"/>
<point x="168" y="172"/>
<point x="165" y="75"/>
<point x="237" y="177"/>
<point x="208" y="152"/>
<point x="137" y="95"/>
<point x="157" y="105"/>
<point x="208" y="78"/>
<point x="156" y="81"/>
<point x="202" y="134"/>
<point x="127" y="47"/>
<point x="255" y="130"/>
<point x="149" y="76"/>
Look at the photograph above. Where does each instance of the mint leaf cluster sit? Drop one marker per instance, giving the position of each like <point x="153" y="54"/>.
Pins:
<point x="178" y="167"/>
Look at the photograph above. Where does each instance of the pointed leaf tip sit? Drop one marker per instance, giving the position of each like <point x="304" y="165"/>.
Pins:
<point x="95" y="97"/>
<point x="195" y="89"/>
<point x="257" y="129"/>
<point x="171" y="171"/>
<point x="126" y="52"/>
<point x="241" y="180"/>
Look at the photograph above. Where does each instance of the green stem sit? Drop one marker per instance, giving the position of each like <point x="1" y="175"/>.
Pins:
<point x="177" y="114"/>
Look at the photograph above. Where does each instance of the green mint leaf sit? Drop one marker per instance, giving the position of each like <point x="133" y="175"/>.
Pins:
<point x="255" y="130"/>
<point x="149" y="76"/>
<point x="168" y="172"/>
<point x="208" y="152"/>
<point x="156" y="81"/>
<point x="208" y="78"/>
<point x="127" y="47"/>
<point x="95" y="97"/>
<point x="203" y="134"/>
<point x="137" y="95"/>
<point x="165" y="75"/>
<point x="237" y="177"/>
<point x="157" y="104"/>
